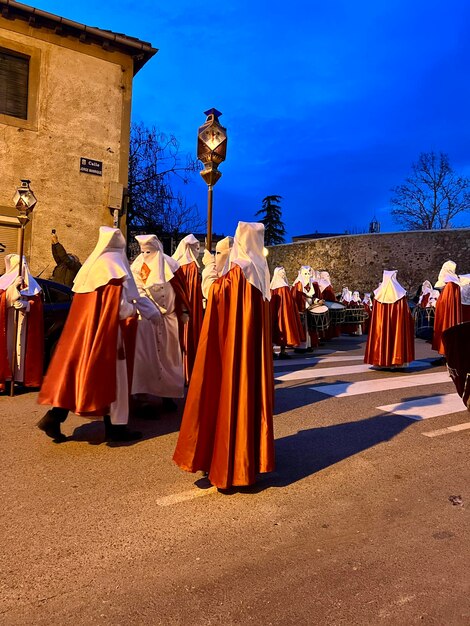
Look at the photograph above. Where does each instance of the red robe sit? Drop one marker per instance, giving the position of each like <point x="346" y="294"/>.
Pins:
<point x="300" y="298"/>
<point x="34" y="349"/>
<point x="424" y="301"/>
<point x="368" y="310"/>
<point x="192" y="329"/>
<point x="448" y="313"/>
<point x="285" y="318"/>
<point x="227" y="426"/>
<point x="391" y="336"/>
<point x="82" y="374"/>
<point x="180" y="287"/>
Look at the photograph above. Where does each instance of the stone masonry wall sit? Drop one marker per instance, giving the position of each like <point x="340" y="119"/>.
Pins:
<point x="358" y="261"/>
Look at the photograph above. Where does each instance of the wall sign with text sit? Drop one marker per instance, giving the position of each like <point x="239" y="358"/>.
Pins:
<point x="91" y="166"/>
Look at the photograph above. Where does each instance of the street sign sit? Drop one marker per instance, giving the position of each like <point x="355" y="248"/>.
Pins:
<point x="91" y="166"/>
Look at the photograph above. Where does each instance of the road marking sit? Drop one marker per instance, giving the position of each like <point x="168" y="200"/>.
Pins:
<point x="446" y="431"/>
<point x="316" y="360"/>
<point x="340" y="390"/>
<point x="425" y="408"/>
<point x="337" y="371"/>
<point x="184" y="496"/>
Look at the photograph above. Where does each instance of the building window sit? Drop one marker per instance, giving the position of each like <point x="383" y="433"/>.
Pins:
<point x="14" y="75"/>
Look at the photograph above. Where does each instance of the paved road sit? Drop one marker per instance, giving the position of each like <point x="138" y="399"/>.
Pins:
<point x="354" y="527"/>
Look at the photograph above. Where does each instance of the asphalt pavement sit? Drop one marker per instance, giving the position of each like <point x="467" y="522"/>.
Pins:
<point x="365" y="520"/>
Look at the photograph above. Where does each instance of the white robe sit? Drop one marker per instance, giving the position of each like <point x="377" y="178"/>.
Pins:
<point x="158" y="364"/>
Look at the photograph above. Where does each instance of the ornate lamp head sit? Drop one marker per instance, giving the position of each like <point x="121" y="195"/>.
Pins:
<point x="211" y="146"/>
<point x="24" y="200"/>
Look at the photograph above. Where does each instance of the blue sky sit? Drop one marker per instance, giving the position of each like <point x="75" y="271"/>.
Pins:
<point x="326" y="103"/>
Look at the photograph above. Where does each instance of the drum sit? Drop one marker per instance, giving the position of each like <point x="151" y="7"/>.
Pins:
<point x="318" y="318"/>
<point x="337" y="312"/>
<point x="424" y="322"/>
<point x="355" y="315"/>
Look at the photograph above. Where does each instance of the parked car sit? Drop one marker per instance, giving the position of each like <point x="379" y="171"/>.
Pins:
<point x="57" y="300"/>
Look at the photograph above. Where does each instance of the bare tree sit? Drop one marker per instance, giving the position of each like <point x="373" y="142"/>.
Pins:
<point x="156" y="168"/>
<point x="432" y="196"/>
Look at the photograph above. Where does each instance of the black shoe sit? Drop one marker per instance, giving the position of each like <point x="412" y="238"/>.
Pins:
<point x="300" y="350"/>
<point x="51" y="426"/>
<point x="309" y="350"/>
<point x="284" y="355"/>
<point x="169" y="405"/>
<point x="119" y="432"/>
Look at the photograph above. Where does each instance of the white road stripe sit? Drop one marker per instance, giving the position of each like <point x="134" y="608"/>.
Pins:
<point x="310" y="374"/>
<point x="448" y="430"/>
<point x="316" y="360"/>
<point x="339" y="390"/>
<point x="176" y="498"/>
<point x="425" y="408"/>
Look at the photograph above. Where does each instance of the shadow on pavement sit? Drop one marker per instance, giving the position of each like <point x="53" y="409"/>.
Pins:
<point x="310" y="451"/>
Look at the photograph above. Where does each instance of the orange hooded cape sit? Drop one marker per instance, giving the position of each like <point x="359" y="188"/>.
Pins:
<point x="448" y="313"/>
<point x="285" y="319"/>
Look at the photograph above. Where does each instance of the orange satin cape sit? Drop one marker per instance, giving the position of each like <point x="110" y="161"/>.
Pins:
<point x="192" y="329"/>
<point x="285" y="318"/>
<point x="391" y="335"/>
<point x="34" y="349"/>
<point x="227" y="426"/>
<point x="82" y="374"/>
<point x="448" y="313"/>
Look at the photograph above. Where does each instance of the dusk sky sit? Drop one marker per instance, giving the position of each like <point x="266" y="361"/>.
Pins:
<point x="326" y="103"/>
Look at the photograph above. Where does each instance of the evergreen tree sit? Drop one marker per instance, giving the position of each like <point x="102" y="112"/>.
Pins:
<point x="274" y="226"/>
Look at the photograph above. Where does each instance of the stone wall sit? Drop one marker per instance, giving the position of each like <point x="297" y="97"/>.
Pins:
<point x="357" y="261"/>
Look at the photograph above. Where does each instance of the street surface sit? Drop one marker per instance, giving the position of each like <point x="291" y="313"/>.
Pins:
<point x="365" y="521"/>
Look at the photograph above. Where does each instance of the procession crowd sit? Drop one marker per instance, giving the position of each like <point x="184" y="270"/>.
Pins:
<point x="137" y="335"/>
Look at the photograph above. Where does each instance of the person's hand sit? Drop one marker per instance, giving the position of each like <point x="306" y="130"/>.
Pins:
<point x="54" y="238"/>
<point x="20" y="304"/>
<point x="207" y="258"/>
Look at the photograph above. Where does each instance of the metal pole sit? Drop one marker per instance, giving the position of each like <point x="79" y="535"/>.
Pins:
<point x="16" y="315"/>
<point x="209" y="218"/>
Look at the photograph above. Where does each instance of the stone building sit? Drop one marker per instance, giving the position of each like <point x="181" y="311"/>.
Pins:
<point x="65" y="106"/>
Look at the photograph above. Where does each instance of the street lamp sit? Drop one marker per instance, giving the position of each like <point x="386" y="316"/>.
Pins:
<point x="211" y="151"/>
<point x="25" y="201"/>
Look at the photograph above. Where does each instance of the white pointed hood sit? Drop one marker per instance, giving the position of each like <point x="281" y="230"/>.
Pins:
<point x="12" y="262"/>
<point x="390" y="289"/>
<point x="324" y="281"/>
<point x="346" y="295"/>
<point x="367" y="299"/>
<point x="156" y="260"/>
<point x="222" y="255"/>
<point x="108" y="261"/>
<point x="447" y="275"/>
<point x="247" y="253"/>
<point x="187" y="251"/>
<point x="279" y="278"/>
<point x="304" y="276"/>
<point x="356" y="297"/>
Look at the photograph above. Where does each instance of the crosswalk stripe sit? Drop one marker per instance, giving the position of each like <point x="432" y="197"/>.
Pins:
<point x="424" y="408"/>
<point x="448" y="430"/>
<point x="320" y="372"/>
<point x="339" y="390"/>
<point x="316" y="360"/>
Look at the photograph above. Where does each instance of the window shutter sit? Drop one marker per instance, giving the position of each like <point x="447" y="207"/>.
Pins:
<point x="14" y="73"/>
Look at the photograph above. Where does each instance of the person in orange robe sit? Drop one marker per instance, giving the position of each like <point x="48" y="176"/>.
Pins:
<point x="21" y="296"/>
<point x="90" y="372"/>
<point x="186" y="254"/>
<point x="328" y="295"/>
<point x="367" y="304"/>
<point x="285" y="318"/>
<point x="305" y="291"/>
<point x="390" y="342"/>
<point x="426" y="291"/>
<point x="227" y="426"/>
<point x="448" y="306"/>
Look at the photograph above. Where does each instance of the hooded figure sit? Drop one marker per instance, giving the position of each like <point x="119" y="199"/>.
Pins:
<point x="433" y="298"/>
<point x="350" y="303"/>
<point x="448" y="306"/>
<point x="367" y="304"/>
<point x="21" y="296"/>
<point x="227" y="426"/>
<point x="390" y="342"/>
<point x="186" y="254"/>
<point x="158" y="369"/>
<point x="287" y="328"/>
<point x="216" y="265"/>
<point x="304" y="293"/>
<point x="90" y="372"/>
<point x="456" y="340"/>
<point x="426" y="290"/>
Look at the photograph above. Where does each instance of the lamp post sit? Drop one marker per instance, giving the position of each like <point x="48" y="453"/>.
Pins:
<point x="211" y="151"/>
<point x="25" y="201"/>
